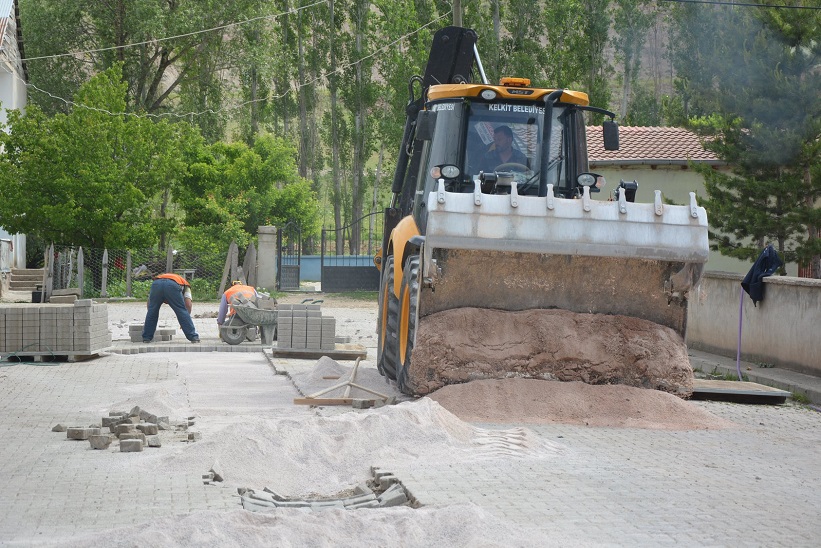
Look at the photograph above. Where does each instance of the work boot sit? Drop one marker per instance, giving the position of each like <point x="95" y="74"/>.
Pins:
<point x="146" y="341"/>
<point x="195" y="340"/>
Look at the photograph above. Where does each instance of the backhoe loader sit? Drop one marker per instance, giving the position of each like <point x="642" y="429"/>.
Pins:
<point x="518" y="235"/>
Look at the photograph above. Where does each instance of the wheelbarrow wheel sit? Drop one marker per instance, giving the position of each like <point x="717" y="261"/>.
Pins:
<point x="234" y="334"/>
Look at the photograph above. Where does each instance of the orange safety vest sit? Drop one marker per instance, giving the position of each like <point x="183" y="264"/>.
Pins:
<point x="176" y="277"/>
<point x="245" y="290"/>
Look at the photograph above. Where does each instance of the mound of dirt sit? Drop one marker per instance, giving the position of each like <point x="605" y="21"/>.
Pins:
<point x="464" y="344"/>
<point x="532" y="401"/>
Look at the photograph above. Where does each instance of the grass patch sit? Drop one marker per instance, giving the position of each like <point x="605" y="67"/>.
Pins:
<point x="716" y="375"/>
<point x="800" y="398"/>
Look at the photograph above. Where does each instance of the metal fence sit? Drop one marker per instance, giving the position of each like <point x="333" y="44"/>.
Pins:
<point x="347" y="255"/>
<point x="128" y="273"/>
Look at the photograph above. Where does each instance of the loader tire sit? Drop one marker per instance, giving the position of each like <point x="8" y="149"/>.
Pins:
<point x="409" y="299"/>
<point x="388" y="359"/>
<point x="382" y="313"/>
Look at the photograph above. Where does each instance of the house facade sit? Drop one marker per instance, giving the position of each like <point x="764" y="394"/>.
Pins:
<point x="659" y="158"/>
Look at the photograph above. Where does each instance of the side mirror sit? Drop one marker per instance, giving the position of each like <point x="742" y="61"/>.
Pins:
<point x="425" y="124"/>
<point x="610" y="132"/>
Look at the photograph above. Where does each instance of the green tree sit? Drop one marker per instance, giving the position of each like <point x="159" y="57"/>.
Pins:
<point x="172" y="59"/>
<point x="86" y="177"/>
<point x="231" y="189"/>
<point x="767" y="124"/>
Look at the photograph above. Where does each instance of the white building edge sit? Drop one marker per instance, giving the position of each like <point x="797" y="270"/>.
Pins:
<point x="13" y="79"/>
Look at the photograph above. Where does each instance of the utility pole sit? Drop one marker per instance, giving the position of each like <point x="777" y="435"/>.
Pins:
<point x="457" y="13"/>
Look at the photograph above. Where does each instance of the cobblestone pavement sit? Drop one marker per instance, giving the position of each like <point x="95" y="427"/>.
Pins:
<point x="755" y="485"/>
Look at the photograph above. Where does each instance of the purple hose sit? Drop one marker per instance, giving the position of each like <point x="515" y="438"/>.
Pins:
<point x="738" y="348"/>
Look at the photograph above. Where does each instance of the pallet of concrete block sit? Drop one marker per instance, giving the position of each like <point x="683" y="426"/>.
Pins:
<point x="54" y="331"/>
<point x="304" y="332"/>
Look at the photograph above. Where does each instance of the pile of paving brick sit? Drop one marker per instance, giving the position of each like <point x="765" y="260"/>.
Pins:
<point x="387" y="491"/>
<point x="60" y="329"/>
<point x="302" y="326"/>
<point x="133" y="429"/>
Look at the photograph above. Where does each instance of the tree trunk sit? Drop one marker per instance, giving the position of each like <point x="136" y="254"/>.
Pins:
<point x="335" y="175"/>
<point x="813" y="231"/>
<point x="304" y="152"/>
<point x="359" y="141"/>
<point x="627" y="79"/>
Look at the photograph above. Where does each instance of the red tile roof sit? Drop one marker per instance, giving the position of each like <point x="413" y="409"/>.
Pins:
<point x="649" y="146"/>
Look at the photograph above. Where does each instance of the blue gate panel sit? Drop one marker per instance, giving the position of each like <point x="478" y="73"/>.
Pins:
<point x="337" y="279"/>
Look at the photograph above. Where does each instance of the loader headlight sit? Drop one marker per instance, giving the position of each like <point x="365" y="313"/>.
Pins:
<point x="488" y="94"/>
<point x="593" y="180"/>
<point x="446" y="171"/>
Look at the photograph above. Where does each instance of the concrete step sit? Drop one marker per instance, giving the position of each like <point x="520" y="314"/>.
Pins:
<point x="15" y="285"/>
<point x="27" y="271"/>
<point x="27" y="278"/>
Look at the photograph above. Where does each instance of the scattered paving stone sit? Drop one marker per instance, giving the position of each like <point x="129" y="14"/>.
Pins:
<point x="118" y="413"/>
<point x="362" y="404"/>
<point x="59" y="428"/>
<point x="194" y="436"/>
<point x="362" y="489"/>
<point x="363" y="497"/>
<point x="135" y="411"/>
<point x="153" y="441"/>
<point x="133" y="436"/>
<point x="147" y="428"/>
<point x="163" y="425"/>
<point x="386" y="481"/>
<point x="78" y="433"/>
<point x="125" y="429"/>
<point x="99" y="441"/>
<point x="216" y="472"/>
<point x="110" y="421"/>
<point x="394" y="496"/>
<point x="131" y="446"/>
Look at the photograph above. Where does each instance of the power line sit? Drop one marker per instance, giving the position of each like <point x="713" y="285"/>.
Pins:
<point x="155" y="40"/>
<point x="238" y="106"/>
<point x="744" y="4"/>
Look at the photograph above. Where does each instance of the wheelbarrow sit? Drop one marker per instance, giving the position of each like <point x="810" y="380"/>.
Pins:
<point x="248" y="318"/>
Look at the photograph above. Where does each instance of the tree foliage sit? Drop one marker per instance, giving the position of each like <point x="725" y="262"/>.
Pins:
<point x="766" y="122"/>
<point x="85" y="177"/>
<point x="231" y="189"/>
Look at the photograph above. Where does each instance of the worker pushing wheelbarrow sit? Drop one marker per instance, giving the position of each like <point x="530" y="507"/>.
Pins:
<point x="242" y="312"/>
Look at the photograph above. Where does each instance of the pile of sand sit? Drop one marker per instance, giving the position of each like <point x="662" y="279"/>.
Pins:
<point x="551" y="402"/>
<point x="463" y="344"/>
<point x="325" y="455"/>
<point x="328" y="372"/>
<point x="461" y="525"/>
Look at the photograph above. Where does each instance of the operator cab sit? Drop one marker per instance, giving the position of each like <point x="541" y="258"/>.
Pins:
<point x="495" y="138"/>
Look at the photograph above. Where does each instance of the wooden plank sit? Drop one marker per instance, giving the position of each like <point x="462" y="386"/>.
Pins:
<point x="737" y="391"/>
<point x="341" y="352"/>
<point x="323" y="401"/>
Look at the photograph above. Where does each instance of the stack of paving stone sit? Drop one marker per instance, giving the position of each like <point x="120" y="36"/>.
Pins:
<point x="81" y="328"/>
<point x="134" y="429"/>
<point x="302" y="326"/>
<point x="135" y="331"/>
<point x="363" y="497"/>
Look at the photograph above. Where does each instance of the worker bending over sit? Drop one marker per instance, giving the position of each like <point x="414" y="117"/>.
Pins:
<point x="233" y="296"/>
<point x="175" y="291"/>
